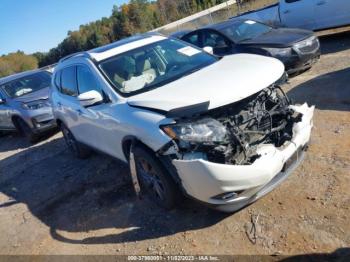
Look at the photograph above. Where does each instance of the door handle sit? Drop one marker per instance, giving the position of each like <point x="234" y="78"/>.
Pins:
<point x="321" y="3"/>
<point x="79" y="112"/>
<point x="59" y="104"/>
<point x="286" y="11"/>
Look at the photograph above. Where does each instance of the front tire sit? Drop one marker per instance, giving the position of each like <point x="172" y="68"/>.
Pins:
<point x="154" y="180"/>
<point x="24" y="129"/>
<point x="77" y="149"/>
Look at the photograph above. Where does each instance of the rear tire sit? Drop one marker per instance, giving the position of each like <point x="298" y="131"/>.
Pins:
<point x="154" y="180"/>
<point x="77" y="149"/>
<point x="24" y="129"/>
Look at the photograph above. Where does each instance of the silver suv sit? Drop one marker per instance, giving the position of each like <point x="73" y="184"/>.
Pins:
<point x="24" y="104"/>
<point x="217" y="129"/>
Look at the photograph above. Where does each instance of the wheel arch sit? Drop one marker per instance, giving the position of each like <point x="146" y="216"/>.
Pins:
<point x="165" y="161"/>
<point x="126" y="145"/>
<point x="14" y="119"/>
<point x="59" y="122"/>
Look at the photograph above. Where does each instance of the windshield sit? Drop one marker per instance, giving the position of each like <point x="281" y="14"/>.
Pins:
<point x="27" y="84"/>
<point x="245" y="30"/>
<point x="154" y="65"/>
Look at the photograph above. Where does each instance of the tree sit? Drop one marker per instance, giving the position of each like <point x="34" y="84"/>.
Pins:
<point x="137" y="16"/>
<point x="17" y="62"/>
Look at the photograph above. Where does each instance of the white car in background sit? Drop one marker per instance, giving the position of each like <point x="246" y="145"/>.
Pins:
<point x="306" y="14"/>
<point x="219" y="130"/>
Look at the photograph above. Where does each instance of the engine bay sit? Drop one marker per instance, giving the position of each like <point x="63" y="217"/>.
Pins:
<point x="263" y="118"/>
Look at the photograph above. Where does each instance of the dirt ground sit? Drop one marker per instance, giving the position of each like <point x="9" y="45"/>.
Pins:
<point x="51" y="203"/>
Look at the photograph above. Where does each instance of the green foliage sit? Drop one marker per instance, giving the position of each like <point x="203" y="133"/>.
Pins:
<point x="138" y="16"/>
<point x="17" y="62"/>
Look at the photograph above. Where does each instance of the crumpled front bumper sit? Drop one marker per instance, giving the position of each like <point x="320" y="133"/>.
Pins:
<point x="203" y="180"/>
<point x="40" y="120"/>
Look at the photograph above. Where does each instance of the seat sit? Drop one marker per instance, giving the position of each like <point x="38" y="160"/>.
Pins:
<point x="144" y="67"/>
<point x="144" y="75"/>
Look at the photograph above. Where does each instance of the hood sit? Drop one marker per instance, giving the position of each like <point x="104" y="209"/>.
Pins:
<point x="229" y="80"/>
<point x="280" y="37"/>
<point x="37" y="95"/>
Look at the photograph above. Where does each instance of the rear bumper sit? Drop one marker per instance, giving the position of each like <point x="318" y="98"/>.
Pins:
<point x="204" y="180"/>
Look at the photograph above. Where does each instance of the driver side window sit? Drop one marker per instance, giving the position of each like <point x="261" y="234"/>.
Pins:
<point x="220" y="45"/>
<point x="213" y="39"/>
<point x="86" y="80"/>
<point x="192" y="39"/>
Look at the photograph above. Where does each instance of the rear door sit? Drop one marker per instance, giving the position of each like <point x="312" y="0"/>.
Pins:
<point x="298" y="13"/>
<point x="331" y="13"/>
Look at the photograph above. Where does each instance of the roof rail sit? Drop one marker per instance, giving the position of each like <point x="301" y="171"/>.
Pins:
<point x="83" y="53"/>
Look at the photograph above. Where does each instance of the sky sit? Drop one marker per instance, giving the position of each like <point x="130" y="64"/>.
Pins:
<point x="39" y="25"/>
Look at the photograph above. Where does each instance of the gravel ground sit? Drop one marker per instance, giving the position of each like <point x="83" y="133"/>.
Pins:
<point x="51" y="203"/>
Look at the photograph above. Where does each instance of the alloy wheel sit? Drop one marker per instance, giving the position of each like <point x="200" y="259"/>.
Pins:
<point x="149" y="179"/>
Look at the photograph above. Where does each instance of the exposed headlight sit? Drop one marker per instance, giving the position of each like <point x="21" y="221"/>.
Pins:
<point x="279" y="52"/>
<point x="305" y="43"/>
<point x="200" y="131"/>
<point x="34" y="105"/>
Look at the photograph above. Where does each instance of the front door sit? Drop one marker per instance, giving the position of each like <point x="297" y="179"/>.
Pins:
<point x="97" y="128"/>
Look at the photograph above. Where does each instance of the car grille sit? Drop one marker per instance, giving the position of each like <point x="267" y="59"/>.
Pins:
<point x="308" y="46"/>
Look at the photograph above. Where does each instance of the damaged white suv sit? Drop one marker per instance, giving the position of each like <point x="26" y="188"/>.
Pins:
<point x="219" y="130"/>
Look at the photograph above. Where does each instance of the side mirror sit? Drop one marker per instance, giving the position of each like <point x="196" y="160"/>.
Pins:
<point x="90" y="98"/>
<point x="209" y="49"/>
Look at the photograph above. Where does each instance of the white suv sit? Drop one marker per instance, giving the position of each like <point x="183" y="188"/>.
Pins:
<point x="219" y="130"/>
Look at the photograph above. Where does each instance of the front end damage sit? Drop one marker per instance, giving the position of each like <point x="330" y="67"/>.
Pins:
<point x="230" y="156"/>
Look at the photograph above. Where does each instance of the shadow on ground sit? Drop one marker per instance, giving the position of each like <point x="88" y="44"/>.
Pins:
<point x="335" y="43"/>
<point x="327" y="92"/>
<point x="339" y="255"/>
<point x="13" y="140"/>
<point x="76" y="196"/>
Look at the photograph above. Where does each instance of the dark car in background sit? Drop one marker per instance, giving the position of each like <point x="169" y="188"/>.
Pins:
<point x="24" y="104"/>
<point x="298" y="49"/>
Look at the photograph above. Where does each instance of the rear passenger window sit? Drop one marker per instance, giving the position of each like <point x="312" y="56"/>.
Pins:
<point x="86" y="80"/>
<point x="69" y="81"/>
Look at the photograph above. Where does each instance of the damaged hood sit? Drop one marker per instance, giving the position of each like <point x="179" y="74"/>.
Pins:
<point x="229" y="80"/>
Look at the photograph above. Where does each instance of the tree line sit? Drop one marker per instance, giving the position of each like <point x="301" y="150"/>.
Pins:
<point x="137" y="16"/>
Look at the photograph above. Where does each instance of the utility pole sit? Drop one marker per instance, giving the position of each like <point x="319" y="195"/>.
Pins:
<point x="239" y="2"/>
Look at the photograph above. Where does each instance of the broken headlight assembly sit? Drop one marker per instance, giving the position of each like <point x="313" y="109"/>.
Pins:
<point x="231" y="134"/>
<point x="205" y="130"/>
